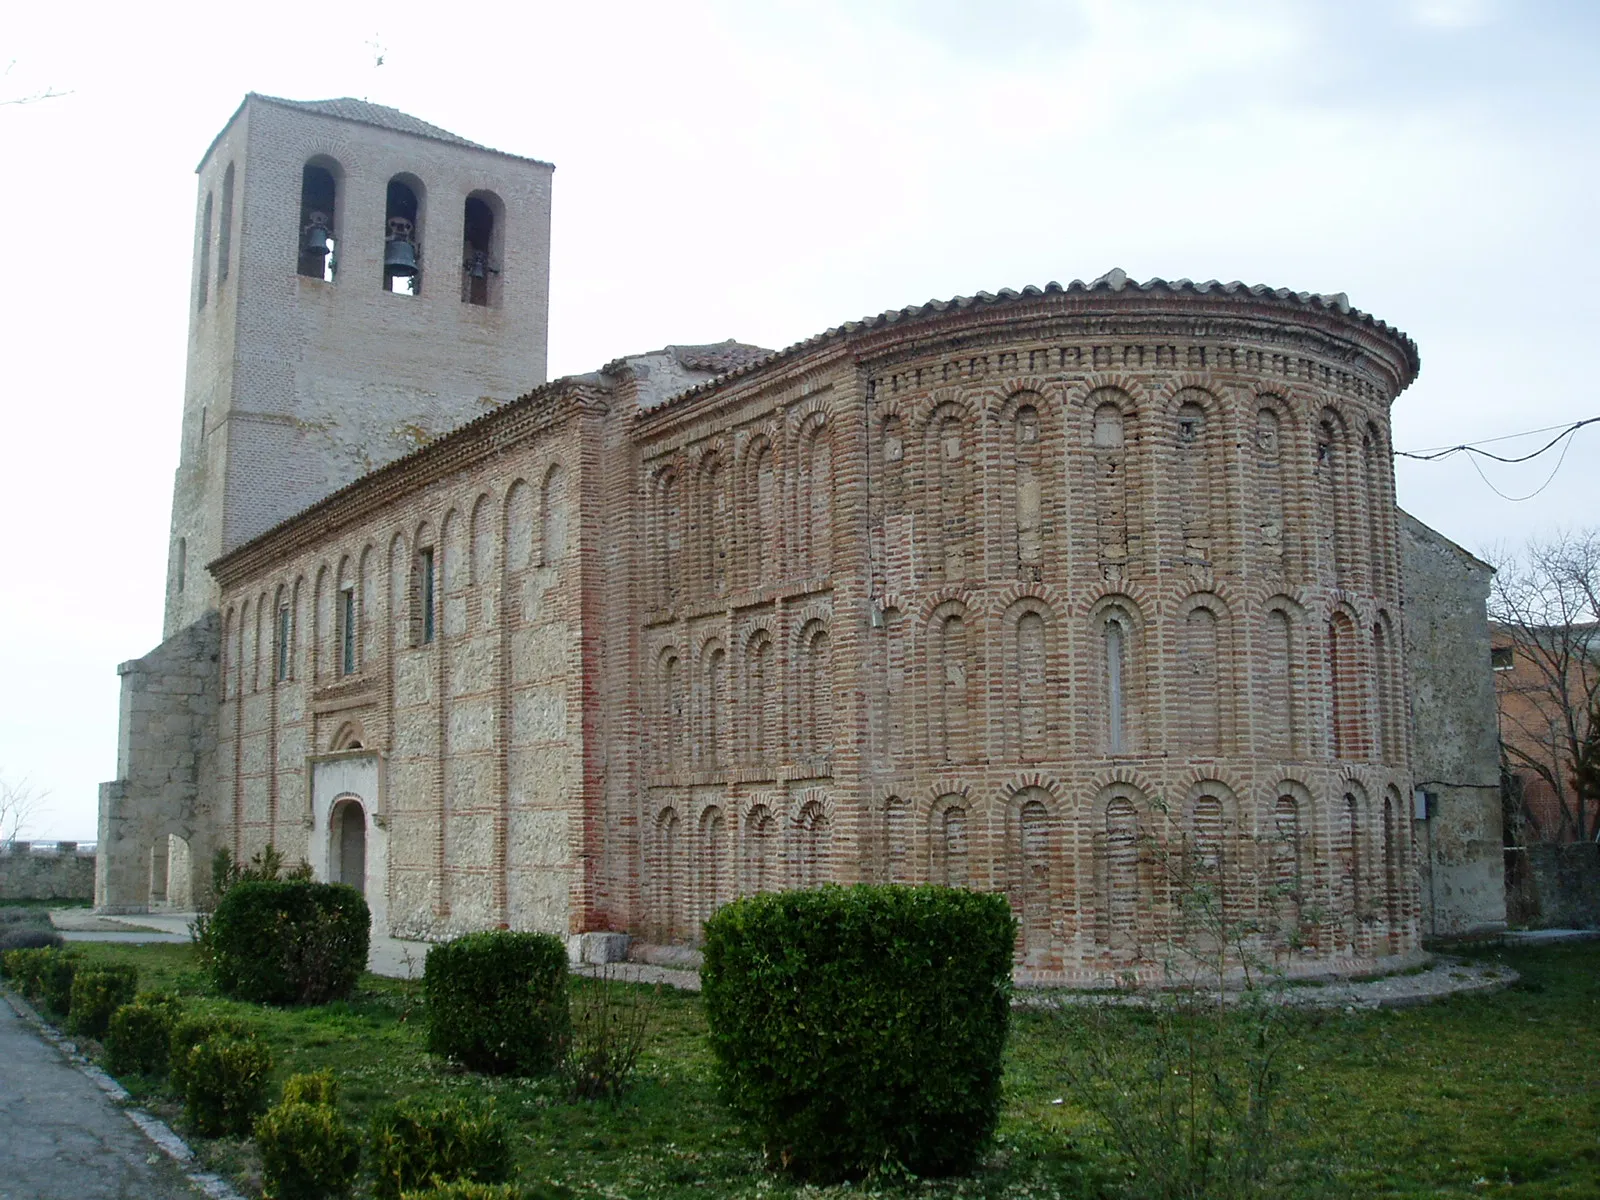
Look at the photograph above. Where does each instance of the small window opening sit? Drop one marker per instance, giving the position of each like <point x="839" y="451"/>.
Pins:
<point x="478" y="243"/>
<point x="317" y="241"/>
<point x="183" y="560"/>
<point x="1191" y="419"/>
<point x="425" y="592"/>
<point x="402" y="254"/>
<point x="205" y="251"/>
<point x="1502" y="658"/>
<point x="225" y="227"/>
<point x="347" y="631"/>
<point x="285" y="630"/>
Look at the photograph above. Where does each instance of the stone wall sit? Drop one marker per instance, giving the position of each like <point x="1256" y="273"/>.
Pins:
<point x="1454" y="732"/>
<point x="58" y="871"/>
<point x="153" y="813"/>
<point x="1554" y="886"/>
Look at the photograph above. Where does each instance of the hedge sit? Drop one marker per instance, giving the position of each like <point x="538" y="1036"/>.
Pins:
<point x="497" y="1002"/>
<point x="289" y="941"/>
<point x="139" y="1037"/>
<point x="308" y="1152"/>
<point x="97" y="992"/>
<point x="416" y="1144"/>
<point x="862" y="1028"/>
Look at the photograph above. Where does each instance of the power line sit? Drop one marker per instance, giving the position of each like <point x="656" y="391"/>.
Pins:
<point x="1474" y="447"/>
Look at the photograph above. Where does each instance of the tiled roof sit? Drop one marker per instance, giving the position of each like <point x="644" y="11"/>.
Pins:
<point x="381" y="116"/>
<point x="1114" y="281"/>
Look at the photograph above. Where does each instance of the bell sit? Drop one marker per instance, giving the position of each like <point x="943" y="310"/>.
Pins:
<point x="399" y="258"/>
<point x="317" y="234"/>
<point x="478" y="265"/>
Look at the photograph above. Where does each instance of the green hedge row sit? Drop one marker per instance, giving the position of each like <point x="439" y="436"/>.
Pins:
<point x="288" y="941"/>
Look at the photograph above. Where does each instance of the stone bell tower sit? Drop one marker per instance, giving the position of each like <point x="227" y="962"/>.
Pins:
<point x="363" y="281"/>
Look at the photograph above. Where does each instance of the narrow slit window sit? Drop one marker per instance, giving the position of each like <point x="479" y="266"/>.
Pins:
<point x="225" y="226"/>
<point x="425" y="592"/>
<point x="183" y="561"/>
<point x="285" y="631"/>
<point x="1115" y="716"/>
<point x="205" y="251"/>
<point x="347" y="631"/>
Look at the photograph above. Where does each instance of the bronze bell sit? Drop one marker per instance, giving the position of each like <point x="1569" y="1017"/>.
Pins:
<point x="478" y="264"/>
<point x="317" y="234"/>
<point x="399" y="250"/>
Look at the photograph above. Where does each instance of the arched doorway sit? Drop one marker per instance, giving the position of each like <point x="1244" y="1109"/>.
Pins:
<point x="347" y="851"/>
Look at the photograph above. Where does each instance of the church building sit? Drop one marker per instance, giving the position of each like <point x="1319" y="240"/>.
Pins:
<point x="1079" y="594"/>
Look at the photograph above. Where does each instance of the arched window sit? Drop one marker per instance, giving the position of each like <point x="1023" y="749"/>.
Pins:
<point x="897" y="840"/>
<point x="1281" y="684"/>
<point x="815" y="513"/>
<point x="317" y="244"/>
<point x="1116" y="634"/>
<point x="225" y="227"/>
<point x="667" y="877"/>
<point x="1288" y="884"/>
<point x="714" y="528"/>
<point x="1349" y="712"/>
<point x="402" y="236"/>
<point x="761" y="512"/>
<point x="1027" y="494"/>
<point x="1108" y="448"/>
<point x="954" y="499"/>
<point x="759" y="833"/>
<point x="1388" y="734"/>
<point x="716" y="702"/>
<point x="816" y="694"/>
<point x="951" y="670"/>
<point x="519" y="526"/>
<point x="952" y="868"/>
<point x="1391" y="873"/>
<point x="1031" y="682"/>
<point x="1350" y="870"/>
<point x="205" y="253"/>
<point x="1033" y="900"/>
<point x="1207" y="849"/>
<point x="1120" y="920"/>
<point x="1333" y="515"/>
<point x="1202" y="699"/>
<point x="553" y="508"/>
<point x="813" y="844"/>
<point x="764" y="743"/>
<point x="714" y="886"/>
<point x="673" y="735"/>
<point x="1193" y="480"/>
<point x="1269" y="493"/>
<point x="480" y="254"/>
<point x="669" y="522"/>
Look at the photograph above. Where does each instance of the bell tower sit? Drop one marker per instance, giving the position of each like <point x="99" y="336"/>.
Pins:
<point x="363" y="281"/>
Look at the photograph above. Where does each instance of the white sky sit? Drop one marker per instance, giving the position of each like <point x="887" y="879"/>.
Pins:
<point x="767" y="170"/>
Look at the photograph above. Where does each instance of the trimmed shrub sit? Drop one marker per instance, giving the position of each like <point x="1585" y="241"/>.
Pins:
<point x="862" y="1028"/>
<point x="415" y="1144"/>
<point x="497" y="1001"/>
<point x="56" y="972"/>
<point x="489" y="1191"/>
<point x="97" y="992"/>
<point x="289" y="941"/>
<point x="308" y="1151"/>
<point x="225" y="1085"/>
<point x="22" y="967"/>
<point x="317" y="1087"/>
<point x="188" y="1031"/>
<point x="29" y="939"/>
<point x="139" y="1036"/>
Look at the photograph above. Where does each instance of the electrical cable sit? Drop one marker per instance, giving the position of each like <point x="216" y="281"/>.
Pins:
<point x="1473" y="448"/>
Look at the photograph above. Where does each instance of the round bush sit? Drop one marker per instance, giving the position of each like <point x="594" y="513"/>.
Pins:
<point x="139" y="1036"/>
<point x="225" y="1085"/>
<point x="497" y="1001"/>
<point x="97" y="992"/>
<point x="857" y="1028"/>
<point x="188" y="1031"/>
<point x="289" y="941"/>
<point x="416" y="1144"/>
<point x="308" y="1152"/>
<point x="29" y="939"/>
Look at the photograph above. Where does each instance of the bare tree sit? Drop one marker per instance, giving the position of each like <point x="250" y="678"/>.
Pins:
<point x="1545" y="604"/>
<point x="44" y="93"/>
<point x="17" y="804"/>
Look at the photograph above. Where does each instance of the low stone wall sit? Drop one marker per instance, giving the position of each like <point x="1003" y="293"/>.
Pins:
<point x="1554" y="887"/>
<point x="53" y="871"/>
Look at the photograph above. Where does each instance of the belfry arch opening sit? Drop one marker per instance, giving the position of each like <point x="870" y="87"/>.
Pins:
<point x="402" y="237"/>
<point x="480" y="249"/>
<point x="319" y="206"/>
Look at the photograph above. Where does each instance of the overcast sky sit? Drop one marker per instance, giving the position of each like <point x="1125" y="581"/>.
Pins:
<point x="767" y="170"/>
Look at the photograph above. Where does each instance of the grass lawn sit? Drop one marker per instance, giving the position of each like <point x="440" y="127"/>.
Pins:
<point x="1489" y="1096"/>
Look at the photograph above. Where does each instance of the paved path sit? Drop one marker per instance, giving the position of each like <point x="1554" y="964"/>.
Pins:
<point x="61" y="1137"/>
